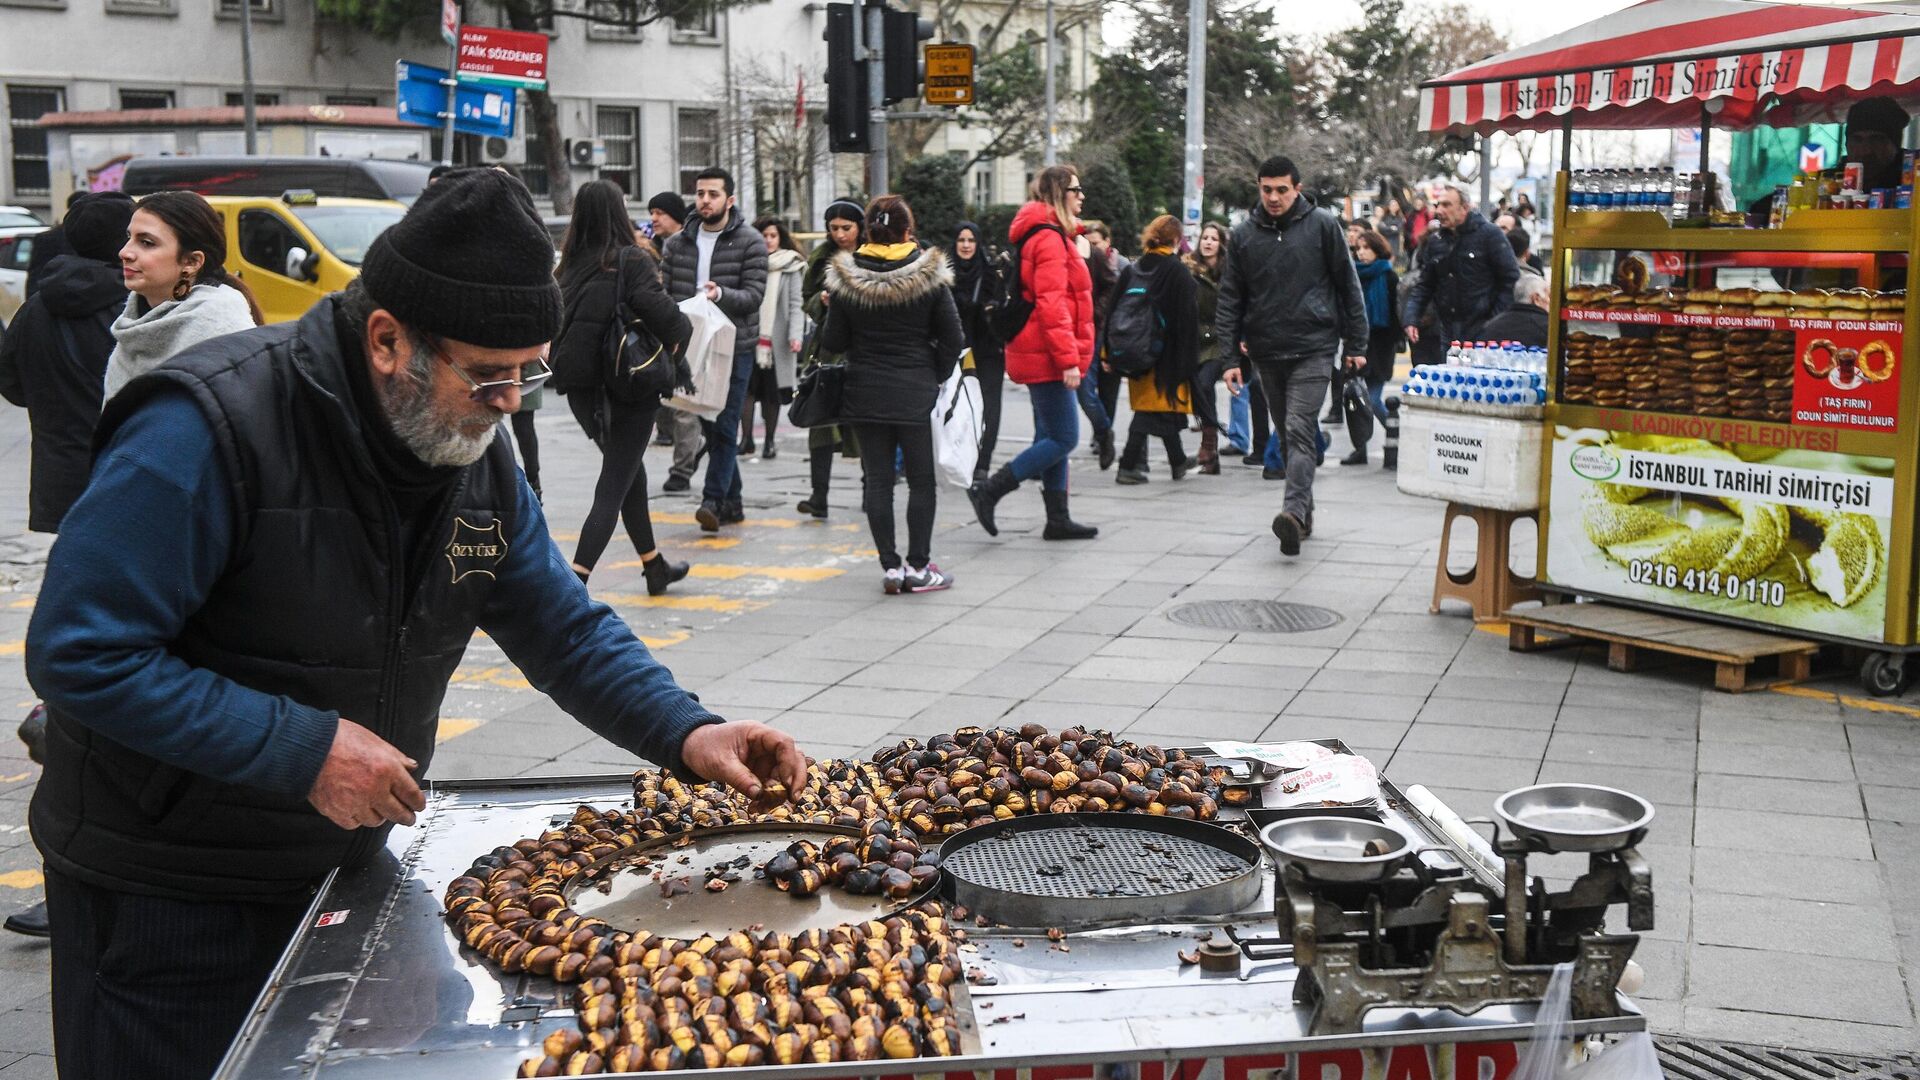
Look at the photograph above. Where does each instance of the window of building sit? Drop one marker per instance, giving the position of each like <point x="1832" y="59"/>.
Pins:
<point x="230" y="9"/>
<point x="613" y="20"/>
<point x="143" y="7"/>
<point x="780" y="195"/>
<point x="352" y="99"/>
<point x="534" y="171"/>
<point x="701" y="22"/>
<point x="237" y="99"/>
<point x="981" y="193"/>
<point x="618" y="130"/>
<point x="699" y="144"/>
<point x="146" y="99"/>
<point x="25" y="106"/>
<point x="265" y="240"/>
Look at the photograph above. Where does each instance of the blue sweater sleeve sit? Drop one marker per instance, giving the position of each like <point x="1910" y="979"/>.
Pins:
<point x="137" y="556"/>
<point x="577" y="651"/>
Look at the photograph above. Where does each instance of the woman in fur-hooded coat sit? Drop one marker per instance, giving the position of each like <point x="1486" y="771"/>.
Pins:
<point x="894" y="318"/>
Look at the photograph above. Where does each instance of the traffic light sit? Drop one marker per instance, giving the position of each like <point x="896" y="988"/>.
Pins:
<point x="848" y="102"/>
<point x="905" y="32"/>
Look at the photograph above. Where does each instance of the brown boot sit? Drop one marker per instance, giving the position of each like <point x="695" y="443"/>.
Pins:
<point x="1209" y="458"/>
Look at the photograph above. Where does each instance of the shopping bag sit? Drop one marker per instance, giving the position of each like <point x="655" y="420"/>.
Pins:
<point x="1549" y="1051"/>
<point x="956" y="427"/>
<point x="709" y="357"/>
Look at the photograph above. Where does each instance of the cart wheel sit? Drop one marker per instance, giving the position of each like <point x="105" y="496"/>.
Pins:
<point x="1884" y="674"/>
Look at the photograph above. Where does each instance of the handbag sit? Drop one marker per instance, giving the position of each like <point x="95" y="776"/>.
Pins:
<point x="957" y="422"/>
<point x="816" y="401"/>
<point x="1357" y="409"/>
<point x="639" y="369"/>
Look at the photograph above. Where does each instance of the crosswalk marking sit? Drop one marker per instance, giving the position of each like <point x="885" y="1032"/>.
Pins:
<point x="12" y="648"/>
<point x="23" y="879"/>
<point x="731" y="571"/>
<point x="697" y="602"/>
<point x="452" y="727"/>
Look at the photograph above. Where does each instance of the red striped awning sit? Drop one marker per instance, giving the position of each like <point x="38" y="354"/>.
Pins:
<point x="1656" y="64"/>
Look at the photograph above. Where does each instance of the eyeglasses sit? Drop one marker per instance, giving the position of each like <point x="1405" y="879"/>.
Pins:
<point x="531" y="375"/>
<point x="1076" y="190"/>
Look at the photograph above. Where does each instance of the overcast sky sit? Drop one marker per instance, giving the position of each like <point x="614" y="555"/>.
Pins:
<point x="1523" y="22"/>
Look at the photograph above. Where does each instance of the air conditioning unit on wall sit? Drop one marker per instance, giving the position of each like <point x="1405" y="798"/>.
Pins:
<point x="584" y="153"/>
<point x="495" y="150"/>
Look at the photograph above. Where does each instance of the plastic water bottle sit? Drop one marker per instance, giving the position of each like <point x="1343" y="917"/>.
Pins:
<point x="1453" y="354"/>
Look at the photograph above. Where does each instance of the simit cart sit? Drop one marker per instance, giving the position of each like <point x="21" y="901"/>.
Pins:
<point x="1733" y="430"/>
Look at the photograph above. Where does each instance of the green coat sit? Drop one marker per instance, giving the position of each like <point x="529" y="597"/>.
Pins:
<point x="1209" y="296"/>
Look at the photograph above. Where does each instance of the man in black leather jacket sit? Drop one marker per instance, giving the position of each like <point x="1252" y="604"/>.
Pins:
<point x="1466" y="271"/>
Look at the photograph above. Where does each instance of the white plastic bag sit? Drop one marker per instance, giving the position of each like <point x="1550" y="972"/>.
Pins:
<point x="709" y="357"/>
<point x="1549" y="1056"/>
<point x="956" y="427"/>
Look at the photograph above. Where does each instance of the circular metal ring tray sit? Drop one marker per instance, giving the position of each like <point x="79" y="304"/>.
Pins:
<point x="1335" y="848"/>
<point x="629" y="898"/>
<point x="1077" y="869"/>
<point x="1575" y="817"/>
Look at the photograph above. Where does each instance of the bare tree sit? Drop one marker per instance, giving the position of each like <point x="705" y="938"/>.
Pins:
<point x="780" y="123"/>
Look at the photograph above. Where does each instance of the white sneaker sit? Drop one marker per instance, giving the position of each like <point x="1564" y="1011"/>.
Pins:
<point x="893" y="582"/>
<point x="929" y="578"/>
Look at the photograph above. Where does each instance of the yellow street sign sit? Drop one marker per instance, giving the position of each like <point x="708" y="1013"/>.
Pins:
<point x="949" y="75"/>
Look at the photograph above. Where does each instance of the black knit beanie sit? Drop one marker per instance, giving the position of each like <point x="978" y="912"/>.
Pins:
<point x="671" y="205"/>
<point x="471" y="261"/>
<point x="96" y="225"/>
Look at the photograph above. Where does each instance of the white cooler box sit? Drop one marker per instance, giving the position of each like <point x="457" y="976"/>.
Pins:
<point x="1491" y="461"/>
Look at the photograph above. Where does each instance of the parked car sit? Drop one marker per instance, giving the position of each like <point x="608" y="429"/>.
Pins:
<point x="296" y="248"/>
<point x="18" y="227"/>
<point x="351" y="178"/>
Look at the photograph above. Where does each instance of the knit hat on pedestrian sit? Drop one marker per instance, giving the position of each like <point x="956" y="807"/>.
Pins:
<point x="471" y="261"/>
<point x="845" y="210"/>
<point x="671" y="205"/>
<point x="96" y="225"/>
<point x="1881" y="114"/>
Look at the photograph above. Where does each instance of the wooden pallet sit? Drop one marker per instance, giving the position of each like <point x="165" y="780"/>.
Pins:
<point x="1627" y="631"/>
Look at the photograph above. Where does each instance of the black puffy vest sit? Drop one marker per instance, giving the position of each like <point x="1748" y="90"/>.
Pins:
<point x="310" y="607"/>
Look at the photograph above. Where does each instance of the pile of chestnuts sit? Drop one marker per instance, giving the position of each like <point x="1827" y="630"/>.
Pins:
<point x="857" y="992"/>
<point x="886" y="861"/>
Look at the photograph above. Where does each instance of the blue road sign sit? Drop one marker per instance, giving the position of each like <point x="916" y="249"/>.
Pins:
<point x="420" y="96"/>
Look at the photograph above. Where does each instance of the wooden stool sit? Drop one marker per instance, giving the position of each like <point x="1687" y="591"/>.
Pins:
<point x="1490" y="586"/>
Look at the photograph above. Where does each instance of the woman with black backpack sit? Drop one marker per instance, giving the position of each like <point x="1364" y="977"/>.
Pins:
<point x="1153" y="337"/>
<point x="976" y="292"/>
<point x="891" y="314"/>
<point x="607" y="280"/>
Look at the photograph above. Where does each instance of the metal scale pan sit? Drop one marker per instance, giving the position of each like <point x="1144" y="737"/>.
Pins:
<point x="1575" y="817"/>
<point x="1080" y="869"/>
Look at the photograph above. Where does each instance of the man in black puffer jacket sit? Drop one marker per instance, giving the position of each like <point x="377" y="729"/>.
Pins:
<point x="1466" y="271"/>
<point x="1290" y="302"/>
<point x="728" y="260"/>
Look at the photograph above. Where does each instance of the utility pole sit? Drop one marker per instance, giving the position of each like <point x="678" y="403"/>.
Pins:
<point x="1486" y="171"/>
<point x="878" y="179"/>
<point x="1053" y="122"/>
<point x="1196" y="114"/>
<point x="453" y="85"/>
<point x="246" y="75"/>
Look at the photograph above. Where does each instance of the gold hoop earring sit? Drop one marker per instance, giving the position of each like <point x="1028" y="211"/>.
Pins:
<point x="182" y="287"/>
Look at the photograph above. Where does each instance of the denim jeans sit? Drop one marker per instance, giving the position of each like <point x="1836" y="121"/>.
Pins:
<point x="723" y="435"/>
<point x="1056" y="428"/>
<point x="1239" y="421"/>
<point x="1089" y="397"/>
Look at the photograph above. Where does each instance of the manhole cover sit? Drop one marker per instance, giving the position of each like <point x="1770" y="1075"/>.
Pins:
<point x="1701" y="1059"/>
<point x="1268" y="616"/>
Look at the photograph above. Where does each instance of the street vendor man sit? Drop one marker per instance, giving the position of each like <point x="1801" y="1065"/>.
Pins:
<point x="251" y="616"/>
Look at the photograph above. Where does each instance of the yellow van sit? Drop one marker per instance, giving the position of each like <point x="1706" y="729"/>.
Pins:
<point x="295" y="249"/>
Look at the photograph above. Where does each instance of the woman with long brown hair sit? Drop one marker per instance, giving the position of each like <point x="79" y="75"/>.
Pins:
<point x="782" y="326"/>
<point x="1051" y="353"/>
<point x="598" y="252"/>
<point x="1204" y="264"/>
<point x="179" y="291"/>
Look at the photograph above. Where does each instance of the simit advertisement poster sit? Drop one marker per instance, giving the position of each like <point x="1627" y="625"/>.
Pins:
<point x="1793" y="538"/>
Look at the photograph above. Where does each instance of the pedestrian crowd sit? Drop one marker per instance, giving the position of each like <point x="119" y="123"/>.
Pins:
<point x="247" y="697"/>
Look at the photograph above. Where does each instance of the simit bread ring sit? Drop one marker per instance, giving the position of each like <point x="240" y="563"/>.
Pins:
<point x="1809" y="360"/>
<point x="1631" y="274"/>
<point x="1868" y="370"/>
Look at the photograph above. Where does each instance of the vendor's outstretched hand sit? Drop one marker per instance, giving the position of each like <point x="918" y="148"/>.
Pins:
<point x="745" y="755"/>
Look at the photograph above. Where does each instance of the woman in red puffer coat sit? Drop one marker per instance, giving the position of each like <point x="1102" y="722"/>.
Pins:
<point x="1051" y="353"/>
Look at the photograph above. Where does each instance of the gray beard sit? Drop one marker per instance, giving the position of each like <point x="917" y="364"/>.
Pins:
<point x="434" y="439"/>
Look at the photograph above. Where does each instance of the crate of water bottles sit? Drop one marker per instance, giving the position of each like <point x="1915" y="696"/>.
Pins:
<point x="1483" y="378"/>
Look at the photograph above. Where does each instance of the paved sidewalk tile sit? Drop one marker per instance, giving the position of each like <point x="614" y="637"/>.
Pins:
<point x="1796" y="984"/>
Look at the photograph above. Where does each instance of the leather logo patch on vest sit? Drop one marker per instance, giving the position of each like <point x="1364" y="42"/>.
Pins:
<point x="475" y="550"/>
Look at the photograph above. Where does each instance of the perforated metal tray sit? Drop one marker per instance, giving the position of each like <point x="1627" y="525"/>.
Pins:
<point x="1077" y="869"/>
